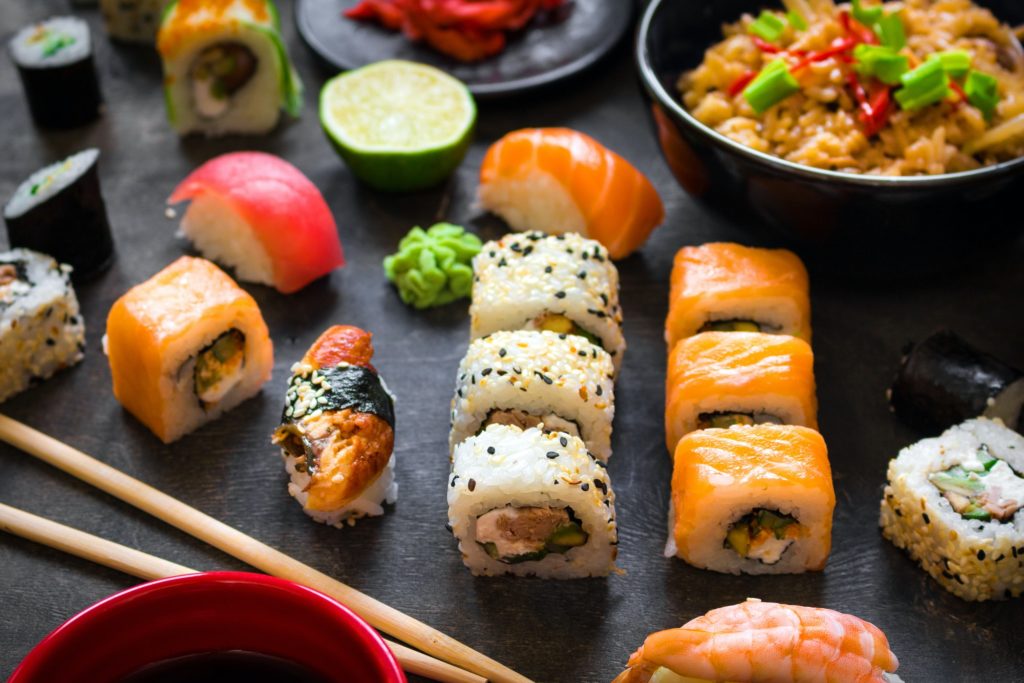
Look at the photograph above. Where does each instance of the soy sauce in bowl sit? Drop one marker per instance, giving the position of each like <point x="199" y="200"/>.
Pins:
<point x="231" y="665"/>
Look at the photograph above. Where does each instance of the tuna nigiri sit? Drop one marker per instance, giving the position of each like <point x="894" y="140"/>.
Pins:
<point x="756" y="642"/>
<point x="261" y="216"/>
<point x="559" y="180"/>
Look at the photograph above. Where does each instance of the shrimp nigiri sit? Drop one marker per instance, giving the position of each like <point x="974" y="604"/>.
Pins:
<point x="559" y="180"/>
<point x="756" y="642"/>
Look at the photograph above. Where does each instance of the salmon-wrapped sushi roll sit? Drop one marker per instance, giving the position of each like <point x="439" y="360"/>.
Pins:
<point x="718" y="379"/>
<point x="186" y="346"/>
<point x="766" y="641"/>
<point x="559" y="180"/>
<point x="752" y="499"/>
<point x="338" y="430"/>
<point x="728" y="287"/>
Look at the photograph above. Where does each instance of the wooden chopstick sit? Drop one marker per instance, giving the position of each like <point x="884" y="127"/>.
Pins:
<point x="149" y="567"/>
<point x="249" y="550"/>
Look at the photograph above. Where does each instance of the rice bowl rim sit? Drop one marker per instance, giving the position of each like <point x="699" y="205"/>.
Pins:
<point x="655" y="88"/>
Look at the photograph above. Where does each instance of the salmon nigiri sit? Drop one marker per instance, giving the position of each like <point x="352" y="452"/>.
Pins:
<point x="758" y="641"/>
<point x="559" y="180"/>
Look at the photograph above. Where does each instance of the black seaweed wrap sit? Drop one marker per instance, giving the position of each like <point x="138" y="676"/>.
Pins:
<point x="65" y="96"/>
<point x="943" y="381"/>
<point x="351" y="387"/>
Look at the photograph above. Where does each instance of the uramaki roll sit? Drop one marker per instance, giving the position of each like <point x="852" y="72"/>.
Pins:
<point x="186" y="346"/>
<point x="752" y="499"/>
<point x="717" y="379"/>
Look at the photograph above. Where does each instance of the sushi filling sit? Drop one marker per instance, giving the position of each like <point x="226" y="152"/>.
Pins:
<point x="762" y="535"/>
<point x="13" y="282"/>
<point x="737" y="325"/>
<point x="522" y="534"/>
<point x="726" y="420"/>
<point x="50" y="42"/>
<point x="218" y="73"/>
<point x="982" y="488"/>
<point x="219" y="367"/>
<point x="560" y="324"/>
<point x="524" y="420"/>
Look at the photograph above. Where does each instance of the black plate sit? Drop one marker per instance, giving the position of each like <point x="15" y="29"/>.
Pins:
<point x="546" y="52"/>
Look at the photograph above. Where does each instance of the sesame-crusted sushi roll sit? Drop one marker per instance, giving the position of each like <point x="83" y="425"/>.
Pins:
<point x="531" y="503"/>
<point x="560" y="283"/>
<point x="41" y="330"/>
<point x="338" y="430"/>
<point x="754" y="499"/>
<point x="728" y="287"/>
<point x="955" y="503"/>
<point x="530" y="379"/>
<point x="718" y="379"/>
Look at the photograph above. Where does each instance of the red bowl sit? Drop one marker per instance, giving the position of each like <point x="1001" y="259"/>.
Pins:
<point x="211" y="612"/>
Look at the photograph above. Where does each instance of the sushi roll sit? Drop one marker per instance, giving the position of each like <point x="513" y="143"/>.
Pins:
<point x="337" y="431"/>
<point x="765" y="641"/>
<point x="955" y="503"/>
<point x="531" y="379"/>
<point x="60" y="211"/>
<point x="55" y="64"/>
<point x="558" y="180"/>
<point x="41" y="330"/>
<point x="725" y="287"/>
<point x="226" y="69"/>
<point x="186" y="346"/>
<point x="943" y="381"/>
<point x="134" y="21"/>
<point x="718" y="379"/>
<point x="531" y="503"/>
<point x="564" y="283"/>
<point x="261" y="216"/>
<point x="752" y="499"/>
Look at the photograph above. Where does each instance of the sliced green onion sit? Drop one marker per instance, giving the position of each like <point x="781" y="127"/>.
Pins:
<point x="796" y="20"/>
<point x="891" y="32"/>
<point x="771" y="86"/>
<point x="927" y="84"/>
<point x="883" y="63"/>
<point x="956" y="62"/>
<point x="868" y="16"/>
<point x="768" y="26"/>
<point x="982" y="92"/>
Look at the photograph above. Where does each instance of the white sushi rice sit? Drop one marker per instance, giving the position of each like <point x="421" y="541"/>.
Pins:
<point x="221" y="235"/>
<point x="541" y="374"/>
<point x="31" y="46"/>
<point x="507" y="466"/>
<point x="524" y="276"/>
<point x="369" y="503"/>
<point x="975" y="560"/>
<point x="41" y="329"/>
<point x="49" y="181"/>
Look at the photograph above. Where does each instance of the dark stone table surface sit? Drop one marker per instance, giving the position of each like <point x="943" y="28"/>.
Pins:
<point x="550" y="631"/>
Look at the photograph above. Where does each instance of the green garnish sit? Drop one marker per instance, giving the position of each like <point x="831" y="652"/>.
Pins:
<point x="221" y="360"/>
<point x="974" y="512"/>
<point x="433" y="267"/>
<point x="747" y="529"/>
<point x="55" y="42"/>
<point x="771" y="86"/>
<point x="868" y="16"/>
<point x="768" y="26"/>
<point x="890" y="31"/>
<point x="957" y="480"/>
<point x="955" y="62"/>
<point x="881" y="62"/>
<point x="796" y="20"/>
<point x="982" y="92"/>
<point x="774" y="522"/>
<point x="927" y="84"/>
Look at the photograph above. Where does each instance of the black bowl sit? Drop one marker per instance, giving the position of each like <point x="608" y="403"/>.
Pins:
<point x="866" y="224"/>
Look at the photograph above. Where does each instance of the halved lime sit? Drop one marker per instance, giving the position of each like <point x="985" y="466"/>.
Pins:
<point x="398" y="125"/>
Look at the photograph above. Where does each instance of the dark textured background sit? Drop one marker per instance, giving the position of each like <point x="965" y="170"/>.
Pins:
<point x="568" y="631"/>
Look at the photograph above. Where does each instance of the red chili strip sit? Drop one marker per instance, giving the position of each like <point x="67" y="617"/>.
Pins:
<point x="765" y="46"/>
<point x="854" y="28"/>
<point x="740" y="83"/>
<point x="958" y="89"/>
<point x="839" y="47"/>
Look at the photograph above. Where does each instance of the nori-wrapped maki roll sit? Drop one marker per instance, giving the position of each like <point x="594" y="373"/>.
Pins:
<point x="59" y="210"/>
<point x="54" y="61"/>
<point x="943" y="381"/>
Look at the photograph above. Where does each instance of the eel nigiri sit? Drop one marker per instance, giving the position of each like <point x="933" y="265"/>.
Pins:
<point x="728" y="287"/>
<point x="756" y="641"/>
<point x="337" y="432"/>
<point x="261" y="216"/>
<point x="559" y="180"/>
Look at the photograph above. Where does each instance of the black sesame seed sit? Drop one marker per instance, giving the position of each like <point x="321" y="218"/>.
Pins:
<point x="581" y="354"/>
<point x="604" y="298"/>
<point x="584" y="487"/>
<point x="947" y="575"/>
<point x="565" y="442"/>
<point x="559" y="295"/>
<point x="582" y="275"/>
<point x="486" y="371"/>
<point x="563" y="337"/>
<point x="548" y="269"/>
<point x="448" y="526"/>
<point x="1000" y="558"/>
<point x="51" y="341"/>
<point x="526" y="252"/>
<point x="517" y="370"/>
<point x="599" y="483"/>
<point x="454" y="479"/>
<point x="599" y="390"/>
<point x="924" y="516"/>
<point x="981" y="554"/>
<point x="493" y="254"/>
<point x="515" y="247"/>
<point x="502" y="353"/>
<point x="898" y="512"/>
<point x="502" y="263"/>
<point x="490" y="450"/>
<point x="569" y="250"/>
<point x="552" y="455"/>
<point x="544" y="378"/>
<point x="471" y="485"/>
<point x="472" y="378"/>
<point x="1014" y="551"/>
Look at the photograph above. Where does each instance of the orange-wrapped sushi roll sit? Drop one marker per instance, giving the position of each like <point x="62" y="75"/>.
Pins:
<point x="186" y="346"/>
<point x="754" y="499"/>
<point x="729" y="287"/>
<point x="558" y="180"/>
<point x="718" y="379"/>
